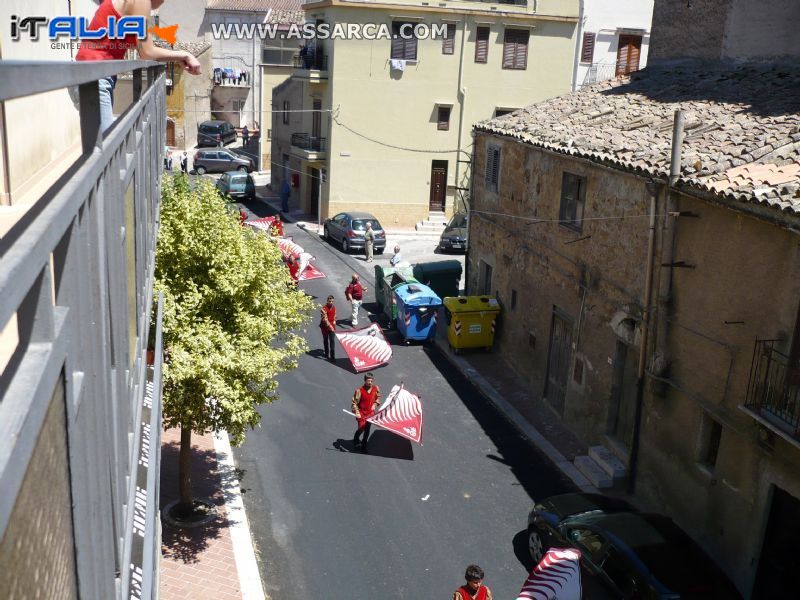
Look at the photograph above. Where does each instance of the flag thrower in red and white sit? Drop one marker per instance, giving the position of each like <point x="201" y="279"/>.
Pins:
<point x="557" y="576"/>
<point x="366" y="347"/>
<point x="401" y="413"/>
<point x="289" y="248"/>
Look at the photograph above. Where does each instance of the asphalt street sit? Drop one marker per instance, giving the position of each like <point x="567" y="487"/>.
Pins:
<point x="406" y="519"/>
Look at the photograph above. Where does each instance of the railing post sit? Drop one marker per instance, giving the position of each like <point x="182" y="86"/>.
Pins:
<point x="89" y="105"/>
<point x="137" y="84"/>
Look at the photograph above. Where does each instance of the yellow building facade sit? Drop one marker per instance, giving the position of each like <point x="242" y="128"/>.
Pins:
<point x="385" y="126"/>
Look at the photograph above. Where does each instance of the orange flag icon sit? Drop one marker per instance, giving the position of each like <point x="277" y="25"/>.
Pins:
<point x="168" y="34"/>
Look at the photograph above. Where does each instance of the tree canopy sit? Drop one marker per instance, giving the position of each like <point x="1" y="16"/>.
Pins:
<point x="230" y="313"/>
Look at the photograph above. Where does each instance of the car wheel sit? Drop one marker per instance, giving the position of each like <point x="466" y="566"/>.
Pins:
<point x="345" y="246"/>
<point x="326" y="235"/>
<point x="242" y="169"/>
<point x="200" y="170"/>
<point x="535" y="545"/>
<point x="379" y="250"/>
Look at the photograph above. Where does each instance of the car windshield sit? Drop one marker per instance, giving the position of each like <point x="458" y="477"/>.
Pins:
<point x="208" y="128"/>
<point x="238" y="180"/>
<point x="459" y="220"/>
<point x="361" y="224"/>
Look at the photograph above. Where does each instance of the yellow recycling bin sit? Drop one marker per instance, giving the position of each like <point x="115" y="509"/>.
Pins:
<point x="471" y="321"/>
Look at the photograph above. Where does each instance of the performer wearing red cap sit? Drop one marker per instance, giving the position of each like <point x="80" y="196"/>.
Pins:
<point x="365" y="400"/>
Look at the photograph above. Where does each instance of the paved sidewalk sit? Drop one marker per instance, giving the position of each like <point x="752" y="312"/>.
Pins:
<point x="214" y="561"/>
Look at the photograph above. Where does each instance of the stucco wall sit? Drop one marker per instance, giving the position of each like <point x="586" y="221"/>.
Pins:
<point x="36" y="552"/>
<point x="682" y="29"/>
<point x="762" y="29"/>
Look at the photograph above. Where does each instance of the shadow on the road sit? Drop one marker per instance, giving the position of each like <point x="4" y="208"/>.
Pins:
<point x="521" y="551"/>
<point x="185" y="544"/>
<point x="381" y="443"/>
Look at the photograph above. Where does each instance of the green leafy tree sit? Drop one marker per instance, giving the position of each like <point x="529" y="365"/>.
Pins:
<point x="230" y="316"/>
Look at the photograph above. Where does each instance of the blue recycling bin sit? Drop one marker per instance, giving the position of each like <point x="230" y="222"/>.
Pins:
<point x="417" y="311"/>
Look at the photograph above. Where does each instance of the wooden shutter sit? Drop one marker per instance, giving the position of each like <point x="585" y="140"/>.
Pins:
<point x="397" y="41"/>
<point x="515" y="48"/>
<point x="410" y="49"/>
<point x="587" y="49"/>
<point x="492" y="167"/>
<point x="482" y="45"/>
<point x="443" y="118"/>
<point x="628" y="54"/>
<point x="448" y="43"/>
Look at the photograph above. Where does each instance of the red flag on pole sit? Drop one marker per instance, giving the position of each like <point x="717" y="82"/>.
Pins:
<point x="558" y="575"/>
<point x="400" y="414"/>
<point x="366" y="347"/>
<point x="310" y="272"/>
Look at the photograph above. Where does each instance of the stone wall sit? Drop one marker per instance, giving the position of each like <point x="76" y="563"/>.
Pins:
<point x="694" y="29"/>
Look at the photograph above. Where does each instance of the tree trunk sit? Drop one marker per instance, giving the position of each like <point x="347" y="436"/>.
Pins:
<point x="184" y="471"/>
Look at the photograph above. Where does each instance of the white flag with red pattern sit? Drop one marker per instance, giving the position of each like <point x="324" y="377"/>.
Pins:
<point x="557" y="576"/>
<point x="366" y="347"/>
<point x="310" y="272"/>
<point x="289" y="248"/>
<point x="401" y="413"/>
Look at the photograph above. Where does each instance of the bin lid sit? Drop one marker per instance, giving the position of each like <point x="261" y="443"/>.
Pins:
<point x="417" y="294"/>
<point x="440" y="267"/>
<point x="463" y="304"/>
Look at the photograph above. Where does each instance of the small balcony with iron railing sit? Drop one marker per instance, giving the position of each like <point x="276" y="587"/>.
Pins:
<point x="311" y="64"/>
<point x="597" y="72"/>
<point x="773" y="392"/>
<point x="309" y="147"/>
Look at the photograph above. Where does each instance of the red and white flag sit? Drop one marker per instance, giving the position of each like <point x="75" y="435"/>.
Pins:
<point x="271" y="225"/>
<point x="366" y="347"/>
<point x="557" y="576"/>
<point x="400" y="414"/>
<point x="309" y="273"/>
<point x="289" y="248"/>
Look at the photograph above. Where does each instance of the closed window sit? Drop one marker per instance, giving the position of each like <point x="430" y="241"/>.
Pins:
<point x="444" y="118"/>
<point x="630" y="47"/>
<point x="278" y="51"/>
<point x="587" y="49"/>
<point x="404" y="49"/>
<point x="573" y="191"/>
<point x="449" y="42"/>
<point x="515" y="48"/>
<point x="482" y="45"/>
<point x="484" y="278"/>
<point x="492" y="168"/>
<point x="285" y="112"/>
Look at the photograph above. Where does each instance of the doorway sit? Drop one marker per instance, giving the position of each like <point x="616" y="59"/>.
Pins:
<point x="171" y="133"/>
<point x="628" y="52"/>
<point x="559" y="354"/>
<point x="778" y="577"/>
<point x="438" y="185"/>
<point x="622" y="403"/>
<point x="314" y="182"/>
<point x="316" y="123"/>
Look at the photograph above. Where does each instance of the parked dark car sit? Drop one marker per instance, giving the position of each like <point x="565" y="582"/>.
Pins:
<point x="220" y="161"/>
<point x="215" y="133"/>
<point x="631" y="555"/>
<point x="454" y="236"/>
<point x="348" y="228"/>
<point x="237" y="184"/>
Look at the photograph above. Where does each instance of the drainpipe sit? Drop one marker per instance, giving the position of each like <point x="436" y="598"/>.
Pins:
<point x="652" y="189"/>
<point x="578" y="36"/>
<point x="462" y="93"/>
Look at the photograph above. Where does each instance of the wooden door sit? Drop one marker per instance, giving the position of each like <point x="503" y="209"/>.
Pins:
<point x="777" y="567"/>
<point x="630" y="47"/>
<point x="171" y="133"/>
<point x="315" y="183"/>
<point x="558" y="361"/>
<point x="316" y="121"/>
<point x="622" y="404"/>
<point x="438" y="185"/>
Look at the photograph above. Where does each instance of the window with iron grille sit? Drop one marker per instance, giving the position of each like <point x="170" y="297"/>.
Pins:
<point x="492" y="168"/>
<point x="285" y="112"/>
<point x="404" y="49"/>
<point x="449" y="42"/>
<point x="443" y="119"/>
<point x="587" y="48"/>
<point x="573" y="191"/>
<point x="482" y="45"/>
<point x="515" y="49"/>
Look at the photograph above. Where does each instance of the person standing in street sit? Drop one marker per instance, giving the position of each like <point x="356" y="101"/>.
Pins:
<point x="369" y="241"/>
<point x="473" y="589"/>
<point x="365" y="400"/>
<point x="355" y="296"/>
<point x="327" y="325"/>
<point x="286" y="190"/>
<point x="396" y="258"/>
<point x="185" y="162"/>
<point x="245" y="135"/>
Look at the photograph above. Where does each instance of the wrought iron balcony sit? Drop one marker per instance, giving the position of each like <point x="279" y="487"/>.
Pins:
<point x="311" y="61"/>
<point x="773" y="393"/>
<point x="304" y="141"/>
<point x="599" y="72"/>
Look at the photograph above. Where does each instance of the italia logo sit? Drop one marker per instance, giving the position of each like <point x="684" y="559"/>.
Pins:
<point x="77" y="28"/>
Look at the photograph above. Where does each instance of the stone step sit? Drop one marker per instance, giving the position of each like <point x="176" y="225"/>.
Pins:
<point x="618" y="449"/>
<point x="608" y="462"/>
<point x="427" y="226"/>
<point x="593" y="472"/>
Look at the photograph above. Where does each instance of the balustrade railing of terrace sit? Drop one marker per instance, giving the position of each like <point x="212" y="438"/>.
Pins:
<point x="80" y="409"/>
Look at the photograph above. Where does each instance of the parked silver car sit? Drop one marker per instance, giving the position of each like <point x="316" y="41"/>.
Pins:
<point x="220" y="161"/>
<point x="348" y="229"/>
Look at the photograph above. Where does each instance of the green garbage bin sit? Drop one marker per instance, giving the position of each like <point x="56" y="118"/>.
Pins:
<point x="443" y="276"/>
<point x="471" y="321"/>
<point x="386" y="280"/>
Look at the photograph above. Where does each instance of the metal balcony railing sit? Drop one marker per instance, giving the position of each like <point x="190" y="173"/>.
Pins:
<point x="311" y="61"/>
<point x="304" y="141"/>
<point x="76" y="296"/>
<point x="773" y="391"/>
<point x="599" y="72"/>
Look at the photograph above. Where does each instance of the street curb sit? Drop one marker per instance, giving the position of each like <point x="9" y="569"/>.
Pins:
<point x="520" y="422"/>
<point x="238" y="525"/>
